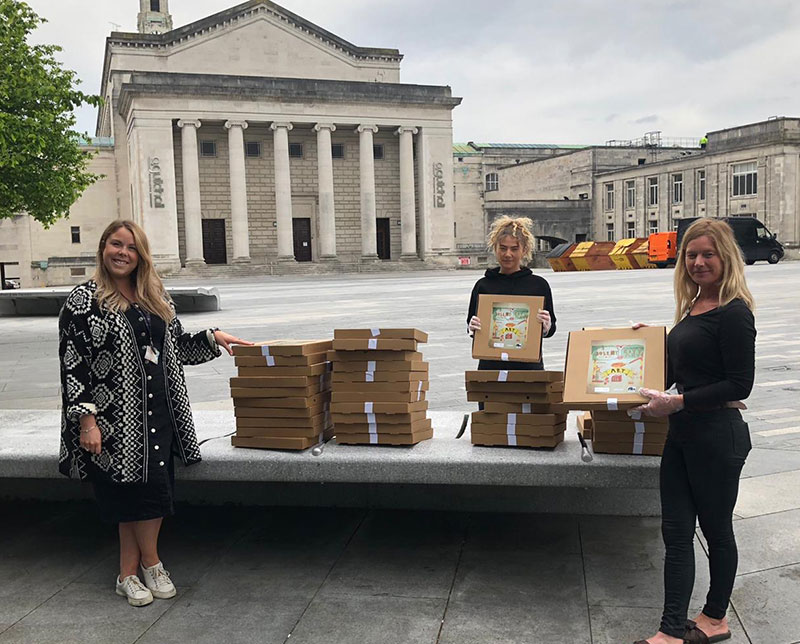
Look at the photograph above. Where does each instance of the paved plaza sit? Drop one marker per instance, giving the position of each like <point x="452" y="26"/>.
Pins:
<point x="248" y="574"/>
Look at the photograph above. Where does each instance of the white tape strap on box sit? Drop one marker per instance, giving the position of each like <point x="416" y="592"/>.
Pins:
<point x="419" y="391"/>
<point x="373" y="439"/>
<point x="502" y="376"/>
<point x="270" y="361"/>
<point x="371" y="365"/>
<point x="375" y="332"/>
<point x="367" y="407"/>
<point x="371" y="418"/>
<point x="526" y="408"/>
<point x="511" y="419"/>
<point x="636" y="415"/>
<point x="638" y="443"/>
<point x="504" y="356"/>
<point x="373" y="428"/>
<point x="512" y="440"/>
<point x="612" y="404"/>
<point x="638" y="427"/>
<point x="369" y="376"/>
<point x="265" y="350"/>
<point x="373" y="343"/>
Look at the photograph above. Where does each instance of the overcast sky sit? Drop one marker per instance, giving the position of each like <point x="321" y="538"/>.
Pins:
<point x="533" y="71"/>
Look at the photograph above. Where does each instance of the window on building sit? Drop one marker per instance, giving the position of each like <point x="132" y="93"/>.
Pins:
<point x="295" y="150"/>
<point x="652" y="191"/>
<point x="610" y="232"/>
<point x="337" y="150"/>
<point x="377" y="151"/>
<point x="75" y="233"/>
<point x="745" y="179"/>
<point x="492" y="182"/>
<point x="701" y="185"/>
<point x="252" y="149"/>
<point x="630" y="229"/>
<point x="208" y="148"/>
<point x="609" y="196"/>
<point x="652" y="227"/>
<point x="677" y="188"/>
<point x="630" y="194"/>
<point x="155" y="5"/>
<point x="642" y="161"/>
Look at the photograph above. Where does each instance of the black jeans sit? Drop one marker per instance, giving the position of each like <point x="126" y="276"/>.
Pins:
<point x="703" y="459"/>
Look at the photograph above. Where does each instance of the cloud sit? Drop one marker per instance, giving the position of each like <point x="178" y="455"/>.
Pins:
<point x="652" y="118"/>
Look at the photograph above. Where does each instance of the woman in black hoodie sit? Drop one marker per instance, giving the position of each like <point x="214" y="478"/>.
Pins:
<point x="512" y="242"/>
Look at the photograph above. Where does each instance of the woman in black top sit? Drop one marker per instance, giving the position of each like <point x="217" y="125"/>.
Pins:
<point x="125" y="407"/>
<point x="511" y="241"/>
<point x="711" y="361"/>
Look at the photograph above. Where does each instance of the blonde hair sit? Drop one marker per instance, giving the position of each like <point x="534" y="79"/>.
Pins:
<point x="517" y="227"/>
<point x="150" y="292"/>
<point x="732" y="284"/>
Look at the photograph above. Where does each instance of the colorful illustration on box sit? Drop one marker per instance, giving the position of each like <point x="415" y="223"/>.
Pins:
<point x="616" y="367"/>
<point x="509" y="325"/>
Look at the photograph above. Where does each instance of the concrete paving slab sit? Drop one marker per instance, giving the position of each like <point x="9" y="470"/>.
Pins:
<point x="768" y="541"/>
<point x="384" y="619"/>
<point x="528" y="597"/>
<point x="761" y="462"/>
<point x="767" y="604"/>
<point x="511" y="533"/>
<point x="770" y="493"/>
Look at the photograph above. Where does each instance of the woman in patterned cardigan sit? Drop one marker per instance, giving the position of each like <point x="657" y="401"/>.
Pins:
<point x="125" y="405"/>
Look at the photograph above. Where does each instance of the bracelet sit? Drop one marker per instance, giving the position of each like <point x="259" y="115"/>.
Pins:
<point x="86" y="431"/>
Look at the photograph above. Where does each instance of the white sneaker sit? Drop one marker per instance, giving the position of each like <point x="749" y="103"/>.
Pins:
<point x="158" y="581"/>
<point x="132" y="588"/>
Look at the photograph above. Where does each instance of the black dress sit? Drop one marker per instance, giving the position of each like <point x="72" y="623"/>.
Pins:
<point x="120" y="503"/>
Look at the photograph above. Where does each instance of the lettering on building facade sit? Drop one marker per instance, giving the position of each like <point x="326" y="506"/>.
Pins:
<point x="156" y="183"/>
<point x="438" y="185"/>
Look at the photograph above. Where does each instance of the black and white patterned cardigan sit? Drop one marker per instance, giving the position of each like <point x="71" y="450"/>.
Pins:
<point x="102" y="373"/>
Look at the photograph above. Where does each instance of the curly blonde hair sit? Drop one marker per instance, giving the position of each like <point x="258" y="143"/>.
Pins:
<point x="517" y="227"/>
<point x="150" y="291"/>
<point x="732" y="285"/>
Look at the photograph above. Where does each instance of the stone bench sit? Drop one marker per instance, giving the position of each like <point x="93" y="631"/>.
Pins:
<point x="442" y="473"/>
<point x="48" y="301"/>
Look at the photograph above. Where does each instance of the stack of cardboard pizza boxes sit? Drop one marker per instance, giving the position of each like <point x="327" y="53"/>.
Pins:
<point x="520" y="408"/>
<point x="281" y="396"/>
<point x="379" y="386"/>
<point x="616" y="432"/>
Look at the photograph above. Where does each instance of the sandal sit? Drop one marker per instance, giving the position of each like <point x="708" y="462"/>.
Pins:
<point x="695" y="635"/>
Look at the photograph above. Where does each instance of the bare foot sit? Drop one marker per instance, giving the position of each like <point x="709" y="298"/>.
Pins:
<point x="663" y="638"/>
<point x="711" y="626"/>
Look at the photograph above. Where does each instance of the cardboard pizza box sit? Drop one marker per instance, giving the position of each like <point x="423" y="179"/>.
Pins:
<point x="509" y="329"/>
<point x="377" y="396"/>
<point x="384" y="439"/>
<point x="390" y="334"/>
<point x="263" y="370"/>
<point x="381" y="419"/>
<point x="376" y="407"/>
<point x="541" y="399"/>
<point x="518" y="430"/>
<point x="369" y="387"/>
<point x="279" y="412"/>
<point x="516" y="387"/>
<point x="277" y="362"/>
<point x="605" y="368"/>
<point x="632" y="427"/>
<point x="518" y="418"/>
<point x="524" y="408"/>
<point x="502" y="440"/>
<point x="271" y="442"/>
<point x="623" y="416"/>
<point x="315" y="422"/>
<point x="274" y="392"/>
<point x="381" y="428"/>
<point x="378" y="376"/>
<point x="283" y="348"/>
<point x="287" y="401"/>
<point x="627" y="447"/>
<point x="287" y="432"/>
<point x="374" y="344"/>
<point x="514" y="376"/>
<point x="584" y="424"/>
<point x="373" y="356"/>
<point x="376" y="367"/>
<point x="320" y="382"/>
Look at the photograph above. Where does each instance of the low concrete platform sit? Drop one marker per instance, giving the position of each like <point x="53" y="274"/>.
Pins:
<point x="48" y="301"/>
<point x="442" y="473"/>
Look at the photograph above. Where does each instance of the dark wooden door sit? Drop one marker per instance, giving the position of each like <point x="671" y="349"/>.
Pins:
<point x="214" y="251"/>
<point x="384" y="238"/>
<point x="301" y="227"/>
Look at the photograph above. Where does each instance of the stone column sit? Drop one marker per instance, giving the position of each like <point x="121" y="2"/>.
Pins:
<point x="283" y="191"/>
<point x="408" y="217"/>
<point x="369" y="233"/>
<point x="239" y="224"/>
<point x="193" y="225"/>
<point x="327" y="212"/>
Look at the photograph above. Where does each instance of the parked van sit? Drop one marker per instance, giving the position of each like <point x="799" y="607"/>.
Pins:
<point x="661" y="248"/>
<point x="756" y="242"/>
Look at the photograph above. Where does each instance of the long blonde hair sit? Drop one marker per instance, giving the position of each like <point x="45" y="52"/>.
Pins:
<point x="732" y="285"/>
<point x="150" y="292"/>
<point x="517" y="227"/>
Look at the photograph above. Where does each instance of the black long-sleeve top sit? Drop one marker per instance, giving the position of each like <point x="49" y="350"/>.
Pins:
<point x="711" y="356"/>
<point x="523" y="282"/>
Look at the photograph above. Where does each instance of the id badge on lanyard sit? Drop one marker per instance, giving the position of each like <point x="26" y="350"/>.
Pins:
<point x="151" y="354"/>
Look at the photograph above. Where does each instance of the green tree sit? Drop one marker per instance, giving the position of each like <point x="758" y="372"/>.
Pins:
<point x="42" y="166"/>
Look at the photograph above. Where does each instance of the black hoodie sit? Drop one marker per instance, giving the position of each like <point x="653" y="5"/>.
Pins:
<point x="523" y="282"/>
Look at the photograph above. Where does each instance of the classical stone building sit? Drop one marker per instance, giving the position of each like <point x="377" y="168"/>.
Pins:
<point x="747" y="171"/>
<point x="255" y="138"/>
